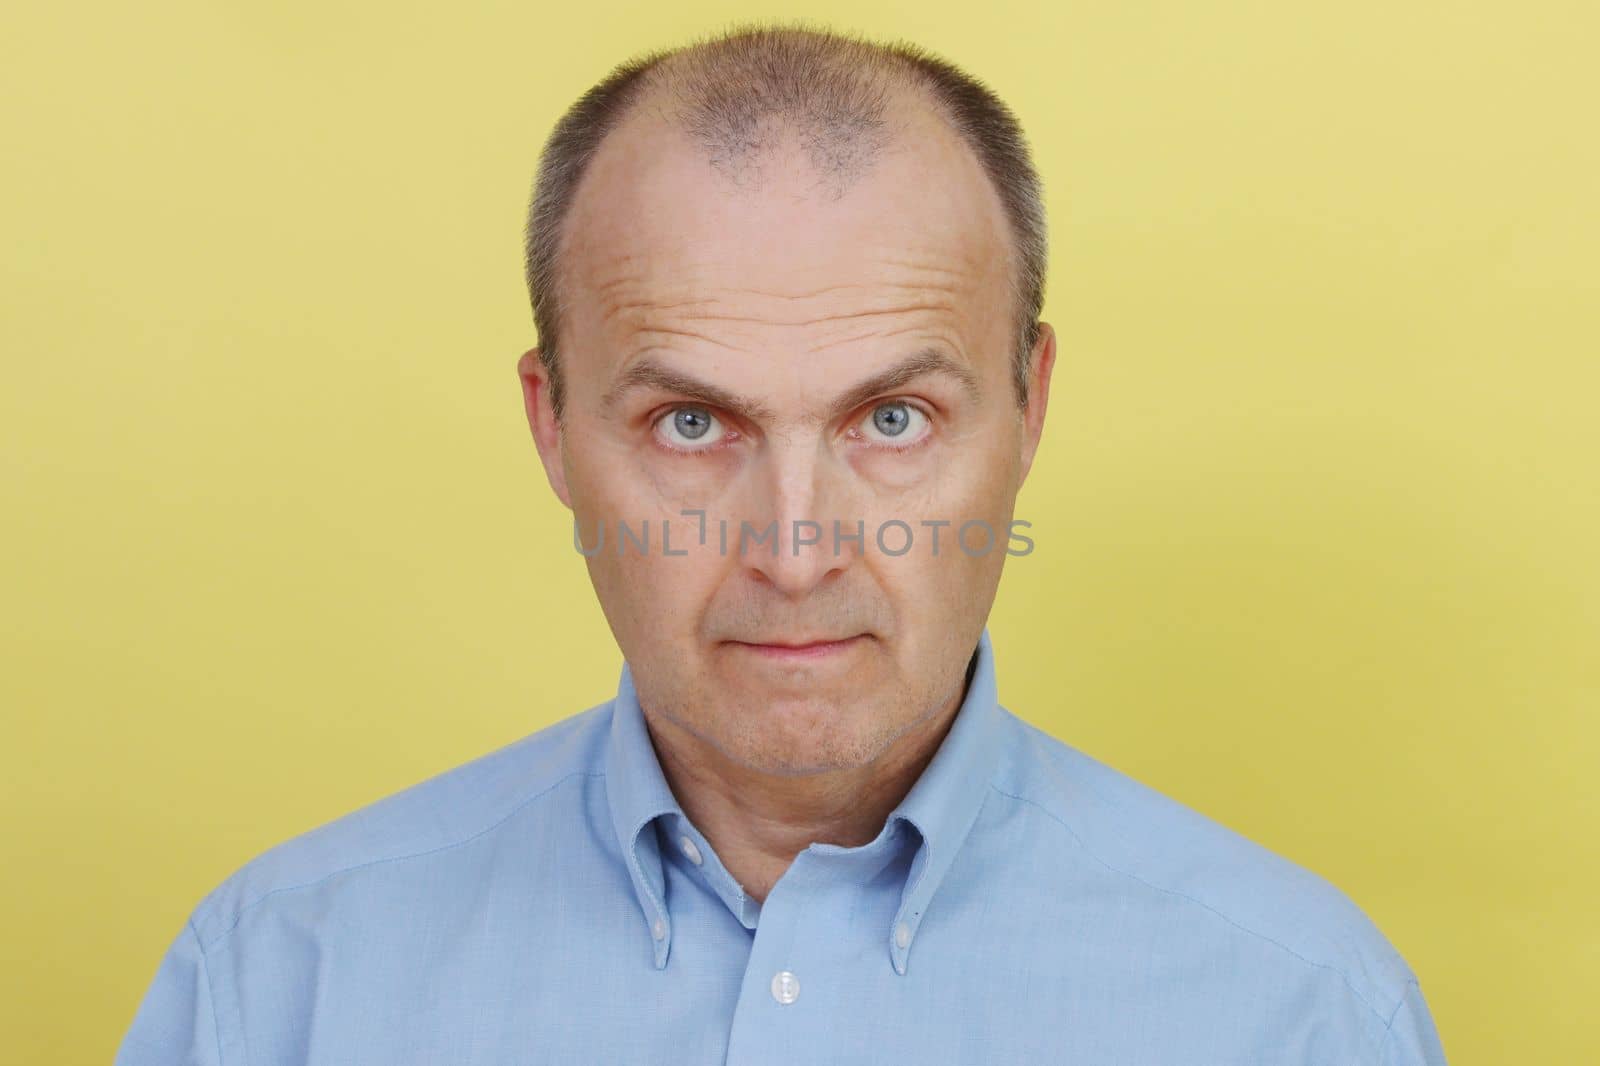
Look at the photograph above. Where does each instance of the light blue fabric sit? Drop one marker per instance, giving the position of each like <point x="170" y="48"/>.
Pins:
<point x="1054" y="910"/>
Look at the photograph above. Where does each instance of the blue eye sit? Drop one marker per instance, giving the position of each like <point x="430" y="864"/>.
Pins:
<point x="895" y="422"/>
<point x="892" y="419"/>
<point x="689" y="428"/>
<point x="691" y="422"/>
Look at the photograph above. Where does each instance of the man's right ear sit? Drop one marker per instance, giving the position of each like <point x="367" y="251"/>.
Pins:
<point x="535" y="377"/>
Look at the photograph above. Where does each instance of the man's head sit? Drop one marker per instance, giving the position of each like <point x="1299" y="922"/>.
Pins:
<point x="790" y="280"/>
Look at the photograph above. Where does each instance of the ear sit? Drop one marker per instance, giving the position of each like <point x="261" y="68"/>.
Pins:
<point x="535" y="379"/>
<point x="1042" y="360"/>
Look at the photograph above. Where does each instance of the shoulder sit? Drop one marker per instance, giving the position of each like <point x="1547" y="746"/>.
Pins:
<point x="1156" y="845"/>
<point x="445" y="810"/>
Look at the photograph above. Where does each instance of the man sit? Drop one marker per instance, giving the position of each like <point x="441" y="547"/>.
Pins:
<point x="787" y="286"/>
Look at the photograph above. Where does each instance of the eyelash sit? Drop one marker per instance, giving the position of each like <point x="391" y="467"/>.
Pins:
<point x="919" y="442"/>
<point x="730" y="436"/>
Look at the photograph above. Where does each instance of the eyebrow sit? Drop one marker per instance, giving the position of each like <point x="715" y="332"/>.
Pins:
<point x="647" y="373"/>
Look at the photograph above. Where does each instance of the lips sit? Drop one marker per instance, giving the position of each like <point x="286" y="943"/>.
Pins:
<point x="808" y="642"/>
<point x="799" y="649"/>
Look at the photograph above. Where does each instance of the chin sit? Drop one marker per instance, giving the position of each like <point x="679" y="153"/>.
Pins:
<point x="806" y="736"/>
<point x="797" y="761"/>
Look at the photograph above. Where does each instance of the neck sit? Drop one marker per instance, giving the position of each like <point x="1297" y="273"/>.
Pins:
<point x="758" y="822"/>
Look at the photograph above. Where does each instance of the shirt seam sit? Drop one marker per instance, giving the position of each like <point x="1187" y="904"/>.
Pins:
<point x="211" y="988"/>
<point x="1201" y="903"/>
<point x="238" y="917"/>
<point x="1388" y="1030"/>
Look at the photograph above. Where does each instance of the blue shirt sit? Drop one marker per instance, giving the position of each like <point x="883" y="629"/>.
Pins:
<point x="549" y="902"/>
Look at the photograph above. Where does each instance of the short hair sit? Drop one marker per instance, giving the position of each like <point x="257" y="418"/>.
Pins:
<point x="830" y="85"/>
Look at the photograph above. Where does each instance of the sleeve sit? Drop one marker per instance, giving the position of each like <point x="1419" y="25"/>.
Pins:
<point x="1412" y="1039"/>
<point x="175" y="1024"/>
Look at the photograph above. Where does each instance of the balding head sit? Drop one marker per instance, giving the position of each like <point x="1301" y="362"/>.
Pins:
<point x="745" y="97"/>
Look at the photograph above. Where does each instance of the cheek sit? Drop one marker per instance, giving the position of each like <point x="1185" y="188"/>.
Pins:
<point x="645" y="595"/>
<point x="909" y="476"/>
<point x="636" y="483"/>
<point x="935" y="580"/>
<point x="651" y="598"/>
<point x="964" y="484"/>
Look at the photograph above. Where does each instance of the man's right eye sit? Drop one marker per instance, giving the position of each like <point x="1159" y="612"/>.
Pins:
<point x="689" y="429"/>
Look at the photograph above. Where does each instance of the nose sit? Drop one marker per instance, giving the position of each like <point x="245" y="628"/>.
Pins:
<point x="799" y="502"/>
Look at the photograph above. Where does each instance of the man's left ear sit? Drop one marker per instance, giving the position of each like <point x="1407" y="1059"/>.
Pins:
<point x="1041" y="361"/>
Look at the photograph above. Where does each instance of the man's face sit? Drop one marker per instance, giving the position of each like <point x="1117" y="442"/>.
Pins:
<point x="720" y="330"/>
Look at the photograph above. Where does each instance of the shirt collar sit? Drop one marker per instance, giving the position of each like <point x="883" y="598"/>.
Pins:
<point x="942" y="805"/>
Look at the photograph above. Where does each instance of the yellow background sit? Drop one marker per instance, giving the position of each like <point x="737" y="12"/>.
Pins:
<point x="1316" y="513"/>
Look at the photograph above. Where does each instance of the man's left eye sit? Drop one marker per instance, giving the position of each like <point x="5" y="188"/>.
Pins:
<point x="895" y="423"/>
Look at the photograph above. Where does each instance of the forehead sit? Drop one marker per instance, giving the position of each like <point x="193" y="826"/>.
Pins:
<point x="660" y="225"/>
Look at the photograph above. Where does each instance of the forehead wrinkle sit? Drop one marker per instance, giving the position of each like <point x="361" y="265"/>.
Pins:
<point x="931" y="290"/>
<point x="606" y="288"/>
<point x="843" y="316"/>
<point x="639" y="332"/>
<point x="880" y="334"/>
<point x="944" y="276"/>
<point x="936" y="298"/>
<point x="964" y="264"/>
<point x="617" y="299"/>
<point x="946" y="317"/>
<point x="679" y="317"/>
<point x="802" y="295"/>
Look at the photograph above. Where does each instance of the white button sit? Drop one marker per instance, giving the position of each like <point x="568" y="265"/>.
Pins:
<point x="902" y="935"/>
<point x="785" y="987"/>
<point x="658" y="929"/>
<point x="690" y="850"/>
